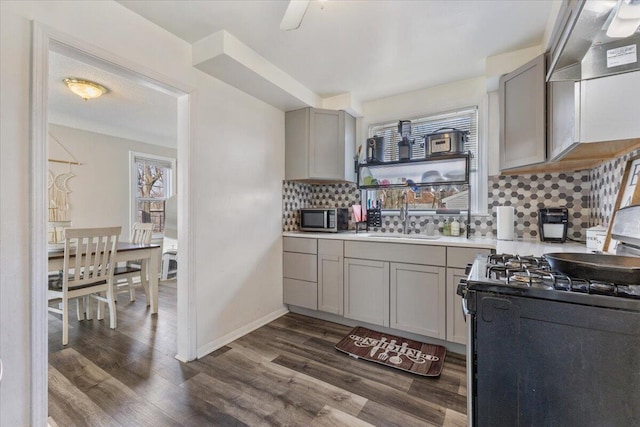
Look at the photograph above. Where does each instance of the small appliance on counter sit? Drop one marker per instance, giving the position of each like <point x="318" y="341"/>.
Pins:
<point x="405" y="145"/>
<point x="553" y="224"/>
<point x="330" y="220"/>
<point x="375" y="149"/>
<point x="450" y="142"/>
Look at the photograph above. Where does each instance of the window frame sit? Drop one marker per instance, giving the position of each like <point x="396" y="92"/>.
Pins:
<point x="478" y="185"/>
<point x="169" y="184"/>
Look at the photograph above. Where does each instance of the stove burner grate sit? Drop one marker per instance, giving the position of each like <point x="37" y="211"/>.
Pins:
<point x="535" y="272"/>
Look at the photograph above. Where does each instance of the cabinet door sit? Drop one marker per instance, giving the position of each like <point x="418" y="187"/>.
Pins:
<point x="300" y="286"/>
<point x="330" y="276"/>
<point x="330" y="284"/>
<point x="522" y="115"/>
<point x="418" y="301"/>
<point x="300" y="293"/>
<point x="300" y="266"/>
<point x="366" y="291"/>
<point x="456" y="326"/>
<point x="326" y="144"/>
<point x="564" y="105"/>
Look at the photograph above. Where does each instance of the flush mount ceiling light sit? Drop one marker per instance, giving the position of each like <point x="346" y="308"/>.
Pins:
<point x="85" y="89"/>
<point x="626" y="20"/>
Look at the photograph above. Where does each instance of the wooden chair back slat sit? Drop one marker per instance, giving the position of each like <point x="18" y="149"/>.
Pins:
<point x="141" y="233"/>
<point x="91" y="252"/>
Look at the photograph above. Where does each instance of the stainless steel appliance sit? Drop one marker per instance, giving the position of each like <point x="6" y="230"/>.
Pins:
<point x="547" y="348"/>
<point x="583" y="45"/>
<point x="553" y="224"/>
<point x="449" y="142"/>
<point x="375" y="149"/>
<point x="329" y="220"/>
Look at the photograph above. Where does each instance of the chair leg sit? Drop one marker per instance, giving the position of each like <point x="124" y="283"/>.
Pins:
<point x="112" y="307"/>
<point x="132" y="290"/>
<point x="65" y="321"/>
<point x="165" y="267"/>
<point x="87" y="308"/>
<point x="80" y="309"/>
<point x="100" y="313"/>
<point x="145" y="282"/>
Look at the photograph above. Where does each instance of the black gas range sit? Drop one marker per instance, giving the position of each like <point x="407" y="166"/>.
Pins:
<point x="546" y="349"/>
<point x="533" y="277"/>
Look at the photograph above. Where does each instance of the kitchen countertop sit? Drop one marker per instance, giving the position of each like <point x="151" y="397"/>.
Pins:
<point x="518" y="246"/>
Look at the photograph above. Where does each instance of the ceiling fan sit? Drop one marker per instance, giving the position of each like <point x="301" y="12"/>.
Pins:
<point x="295" y="12"/>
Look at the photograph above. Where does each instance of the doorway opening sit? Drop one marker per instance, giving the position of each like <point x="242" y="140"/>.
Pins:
<point x="47" y="43"/>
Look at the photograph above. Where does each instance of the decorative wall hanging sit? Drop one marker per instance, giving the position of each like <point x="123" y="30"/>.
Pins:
<point x="59" y="191"/>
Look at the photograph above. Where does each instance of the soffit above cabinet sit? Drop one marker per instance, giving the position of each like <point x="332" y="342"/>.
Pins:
<point x="224" y="57"/>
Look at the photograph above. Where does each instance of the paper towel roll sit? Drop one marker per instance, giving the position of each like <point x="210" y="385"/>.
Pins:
<point x="505" y="222"/>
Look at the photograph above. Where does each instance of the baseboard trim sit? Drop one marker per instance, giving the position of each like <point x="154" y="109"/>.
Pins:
<point x="234" y="335"/>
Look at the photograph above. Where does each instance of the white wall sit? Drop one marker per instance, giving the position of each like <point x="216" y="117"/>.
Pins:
<point x="237" y="173"/>
<point x="100" y="189"/>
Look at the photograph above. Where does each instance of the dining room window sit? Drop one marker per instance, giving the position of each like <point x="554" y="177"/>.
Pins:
<point x="153" y="179"/>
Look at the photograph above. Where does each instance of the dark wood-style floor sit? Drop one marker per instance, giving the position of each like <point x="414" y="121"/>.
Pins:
<point x="285" y="373"/>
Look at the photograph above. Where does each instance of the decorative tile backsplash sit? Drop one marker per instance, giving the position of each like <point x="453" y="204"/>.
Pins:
<point x="589" y="195"/>
<point x="605" y="183"/>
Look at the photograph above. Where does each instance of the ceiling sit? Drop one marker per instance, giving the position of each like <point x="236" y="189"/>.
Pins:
<point x="128" y="110"/>
<point x="370" y="49"/>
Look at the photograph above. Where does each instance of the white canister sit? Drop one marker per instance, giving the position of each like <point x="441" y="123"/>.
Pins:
<point x="505" y="216"/>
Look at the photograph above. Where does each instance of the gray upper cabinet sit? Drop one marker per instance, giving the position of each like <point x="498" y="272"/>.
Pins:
<point x="319" y="145"/>
<point x="522" y="116"/>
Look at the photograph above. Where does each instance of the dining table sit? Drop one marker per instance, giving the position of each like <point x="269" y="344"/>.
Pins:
<point x="125" y="251"/>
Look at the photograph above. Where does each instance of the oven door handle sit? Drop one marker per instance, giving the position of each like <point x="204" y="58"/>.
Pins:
<point x="462" y="291"/>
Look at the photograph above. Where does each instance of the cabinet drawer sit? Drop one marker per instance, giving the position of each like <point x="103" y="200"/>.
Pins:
<point x="300" y="244"/>
<point x="300" y="293"/>
<point x="460" y="257"/>
<point x="300" y="266"/>
<point x="394" y="252"/>
<point x="330" y="247"/>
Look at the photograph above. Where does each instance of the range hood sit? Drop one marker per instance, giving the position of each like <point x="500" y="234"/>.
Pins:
<point x="584" y="51"/>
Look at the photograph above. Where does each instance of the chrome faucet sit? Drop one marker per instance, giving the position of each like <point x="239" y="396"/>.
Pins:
<point x="404" y="212"/>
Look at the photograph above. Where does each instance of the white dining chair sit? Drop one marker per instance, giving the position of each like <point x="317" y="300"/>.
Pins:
<point x="125" y="274"/>
<point x="87" y="274"/>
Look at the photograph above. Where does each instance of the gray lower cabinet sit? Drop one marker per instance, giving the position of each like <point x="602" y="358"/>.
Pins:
<point x="418" y="299"/>
<point x="366" y="291"/>
<point x="300" y="272"/>
<point x="456" y="327"/>
<point x="330" y="276"/>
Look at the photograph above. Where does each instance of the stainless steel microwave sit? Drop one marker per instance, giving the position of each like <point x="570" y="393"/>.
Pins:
<point x="329" y="220"/>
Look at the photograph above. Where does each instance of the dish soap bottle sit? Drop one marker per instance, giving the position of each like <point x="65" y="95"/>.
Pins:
<point x="455" y="227"/>
<point x="446" y="228"/>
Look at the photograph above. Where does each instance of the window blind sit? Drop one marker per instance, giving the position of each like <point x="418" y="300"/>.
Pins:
<point x="464" y="120"/>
